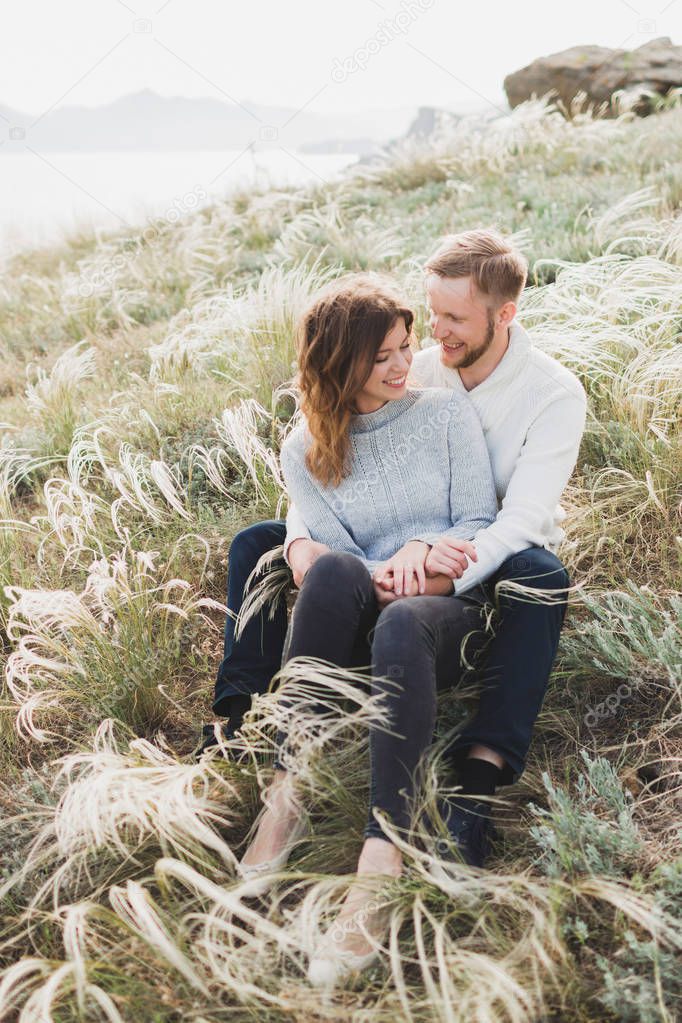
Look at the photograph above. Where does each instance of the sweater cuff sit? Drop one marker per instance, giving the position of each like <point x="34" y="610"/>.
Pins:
<point x="287" y="544"/>
<point x="463" y="584"/>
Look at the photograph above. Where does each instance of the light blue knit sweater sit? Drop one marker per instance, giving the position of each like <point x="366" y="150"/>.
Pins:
<point x="420" y="469"/>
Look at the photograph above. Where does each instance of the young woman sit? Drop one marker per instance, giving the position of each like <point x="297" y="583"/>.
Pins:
<point x="379" y="472"/>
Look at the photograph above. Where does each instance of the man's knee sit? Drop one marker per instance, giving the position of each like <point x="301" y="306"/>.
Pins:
<point x="536" y="567"/>
<point x="253" y="541"/>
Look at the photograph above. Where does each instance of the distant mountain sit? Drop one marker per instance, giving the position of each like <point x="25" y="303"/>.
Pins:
<point x="145" y="120"/>
<point x="363" y="147"/>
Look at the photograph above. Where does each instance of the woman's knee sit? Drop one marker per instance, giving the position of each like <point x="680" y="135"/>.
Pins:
<point x="336" y="570"/>
<point x="400" y="626"/>
<point x="405" y="613"/>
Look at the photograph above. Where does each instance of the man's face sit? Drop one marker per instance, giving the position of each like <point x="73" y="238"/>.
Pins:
<point x="461" y="319"/>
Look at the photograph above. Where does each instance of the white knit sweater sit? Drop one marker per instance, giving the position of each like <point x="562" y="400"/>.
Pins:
<point x="532" y="410"/>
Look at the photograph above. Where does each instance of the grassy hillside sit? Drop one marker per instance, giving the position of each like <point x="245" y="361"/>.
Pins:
<point x="143" y="396"/>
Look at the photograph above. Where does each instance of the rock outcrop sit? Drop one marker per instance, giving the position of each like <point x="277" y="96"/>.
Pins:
<point x="655" y="67"/>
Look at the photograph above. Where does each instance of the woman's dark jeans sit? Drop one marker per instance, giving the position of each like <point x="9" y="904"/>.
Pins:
<point x="413" y="646"/>
<point x="420" y="637"/>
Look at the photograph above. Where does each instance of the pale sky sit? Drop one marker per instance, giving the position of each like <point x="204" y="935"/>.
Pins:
<point x="353" y="55"/>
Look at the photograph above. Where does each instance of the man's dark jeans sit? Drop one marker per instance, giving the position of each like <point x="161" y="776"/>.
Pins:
<point x="512" y="673"/>
<point x="249" y="663"/>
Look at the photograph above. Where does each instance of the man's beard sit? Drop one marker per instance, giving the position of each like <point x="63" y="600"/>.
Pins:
<point x="475" y="353"/>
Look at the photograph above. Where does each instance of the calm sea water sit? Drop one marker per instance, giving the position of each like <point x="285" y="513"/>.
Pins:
<point x="43" y="197"/>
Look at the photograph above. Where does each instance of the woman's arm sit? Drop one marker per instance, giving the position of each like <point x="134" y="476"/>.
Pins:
<point x="473" y="504"/>
<point x="322" y="522"/>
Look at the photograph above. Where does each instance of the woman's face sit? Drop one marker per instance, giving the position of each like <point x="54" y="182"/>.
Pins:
<point x="388" y="379"/>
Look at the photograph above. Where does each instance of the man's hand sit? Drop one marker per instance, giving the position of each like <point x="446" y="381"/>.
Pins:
<point x="449" y="557"/>
<point x="405" y="566"/>
<point x="302" y="554"/>
<point x="439" y="586"/>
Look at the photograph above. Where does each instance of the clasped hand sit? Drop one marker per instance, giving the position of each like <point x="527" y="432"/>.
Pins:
<point x="417" y="568"/>
<point x="421" y="568"/>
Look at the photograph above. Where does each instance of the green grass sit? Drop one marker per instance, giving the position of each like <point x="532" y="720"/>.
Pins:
<point x="143" y="398"/>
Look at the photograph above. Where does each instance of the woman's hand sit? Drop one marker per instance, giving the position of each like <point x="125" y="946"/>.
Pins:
<point x="406" y="566"/>
<point x="302" y="554"/>
<point x="383" y="591"/>
<point x="449" y="557"/>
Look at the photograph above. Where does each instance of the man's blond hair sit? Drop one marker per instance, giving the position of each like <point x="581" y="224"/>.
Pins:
<point x="498" y="268"/>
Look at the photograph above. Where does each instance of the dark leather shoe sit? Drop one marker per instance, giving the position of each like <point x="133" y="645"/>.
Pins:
<point x="228" y="731"/>
<point x="470" y="830"/>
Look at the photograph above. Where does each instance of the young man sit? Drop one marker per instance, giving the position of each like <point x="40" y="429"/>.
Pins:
<point x="533" y="414"/>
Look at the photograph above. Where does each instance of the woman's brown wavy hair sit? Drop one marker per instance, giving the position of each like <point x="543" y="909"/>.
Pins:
<point x="338" y="338"/>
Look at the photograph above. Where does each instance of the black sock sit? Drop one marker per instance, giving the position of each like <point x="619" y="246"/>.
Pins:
<point x="479" y="777"/>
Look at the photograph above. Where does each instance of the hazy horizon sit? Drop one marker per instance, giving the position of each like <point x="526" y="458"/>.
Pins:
<point x="375" y="54"/>
<point x="341" y="76"/>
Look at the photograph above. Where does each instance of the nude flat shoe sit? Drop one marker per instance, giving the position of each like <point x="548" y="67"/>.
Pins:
<point x="327" y="970"/>
<point x="260" y="873"/>
<point x="328" y="965"/>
